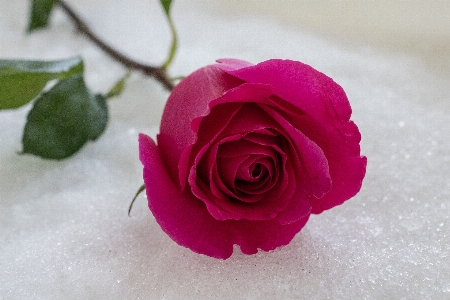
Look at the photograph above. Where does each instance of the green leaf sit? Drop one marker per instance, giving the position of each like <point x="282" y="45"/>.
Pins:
<point x="64" y="119"/>
<point x="40" y="14"/>
<point x="97" y="116"/>
<point x="119" y="86"/>
<point x="22" y="80"/>
<point x="166" y="5"/>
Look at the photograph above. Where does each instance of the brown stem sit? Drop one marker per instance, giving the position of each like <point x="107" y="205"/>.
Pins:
<point x="156" y="72"/>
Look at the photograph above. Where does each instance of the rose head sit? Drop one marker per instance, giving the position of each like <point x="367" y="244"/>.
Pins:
<point x="247" y="152"/>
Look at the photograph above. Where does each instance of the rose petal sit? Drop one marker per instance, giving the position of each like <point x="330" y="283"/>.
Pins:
<point x="300" y="85"/>
<point x="231" y="64"/>
<point x="186" y="220"/>
<point x="300" y="204"/>
<point x="249" y="189"/>
<point x="212" y="127"/>
<point x="233" y="167"/>
<point x="249" y="118"/>
<point x="342" y="150"/>
<point x="212" y="121"/>
<point x="229" y="182"/>
<point x="188" y="101"/>
<point x="317" y="178"/>
<point x="223" y="207"/>
<point x="327" y="106"/>
<point x="312" y="157"/>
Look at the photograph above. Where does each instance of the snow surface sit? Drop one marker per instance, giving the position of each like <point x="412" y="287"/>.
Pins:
<point x="64" y="229"/>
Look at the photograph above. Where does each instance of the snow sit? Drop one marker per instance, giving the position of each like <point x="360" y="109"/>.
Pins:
<point x="64" y="229"/>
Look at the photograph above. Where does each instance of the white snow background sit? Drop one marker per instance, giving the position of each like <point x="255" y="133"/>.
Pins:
<point x="64" y="229"/>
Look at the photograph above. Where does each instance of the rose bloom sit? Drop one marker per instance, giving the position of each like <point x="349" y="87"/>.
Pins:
<point x="247" y="152"/>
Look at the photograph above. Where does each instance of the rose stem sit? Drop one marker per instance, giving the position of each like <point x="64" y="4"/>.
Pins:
<point x="156" y="72"/>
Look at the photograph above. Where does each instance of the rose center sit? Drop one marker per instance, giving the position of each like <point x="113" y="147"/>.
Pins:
<point x="256" y="171"/>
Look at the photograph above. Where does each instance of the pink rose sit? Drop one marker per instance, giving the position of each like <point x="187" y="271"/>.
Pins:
<point x="247" y="152"/>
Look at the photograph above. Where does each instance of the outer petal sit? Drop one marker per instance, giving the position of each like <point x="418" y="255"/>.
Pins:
<point x="300" y="85"/>
<point x="326" y="121"/>
<point x="185" y="218"/>
<point x="231" y="64"/>
<point x="188" y="101"/>
<point x="313" y="159"/>
<point x="340" y="144"/>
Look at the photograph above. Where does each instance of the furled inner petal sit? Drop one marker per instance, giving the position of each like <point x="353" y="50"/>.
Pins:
<point x="261" y="175"/>
<point x="306" y="165"/>
<point x="212" y="127"/>
<point x="312" y="157"/>
<point x="240" y="168"/>
<point x="233" y="198"/>
<point x="257" y="140"/>
<point x="229" y="175"/>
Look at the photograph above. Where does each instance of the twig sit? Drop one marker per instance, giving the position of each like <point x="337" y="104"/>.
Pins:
<point x="156" y="72"/>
